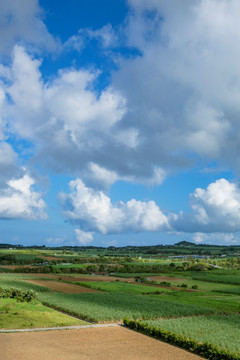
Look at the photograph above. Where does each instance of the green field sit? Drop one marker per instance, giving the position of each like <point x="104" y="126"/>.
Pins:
<point x="20" y="315"/>
<point x="219" y="276"/>
<point x="221" y="330"/>
<point x="115" y="306"/>
<point x="122" y="287"/>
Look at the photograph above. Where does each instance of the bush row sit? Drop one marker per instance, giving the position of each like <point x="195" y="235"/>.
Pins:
<point x="206" y="350"/>
<point x="20" y="295"/>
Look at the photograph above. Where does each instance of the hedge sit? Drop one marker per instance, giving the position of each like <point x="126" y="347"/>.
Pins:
<point x="205" y="349"/>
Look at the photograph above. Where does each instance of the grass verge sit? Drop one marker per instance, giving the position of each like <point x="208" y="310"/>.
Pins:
<point x="22" y="315"/>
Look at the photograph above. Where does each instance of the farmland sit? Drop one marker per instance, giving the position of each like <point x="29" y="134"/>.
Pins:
<point x="96" y="287"/>
<point x="222" y="330"/>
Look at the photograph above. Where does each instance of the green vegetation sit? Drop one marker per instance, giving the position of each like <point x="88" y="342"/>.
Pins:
<point x="19" y="295"/>
<point x="205" y="349"/>
<point x="120" y="286"/>
<point x="221" y="330"/>
<point x="20" y="315"/>
<point x="220" y="276"/>
<point x="115" y="306"/>
<point x="185" y="294"/>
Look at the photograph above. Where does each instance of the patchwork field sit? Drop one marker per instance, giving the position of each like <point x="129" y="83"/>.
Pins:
<point x="198" y="306"/>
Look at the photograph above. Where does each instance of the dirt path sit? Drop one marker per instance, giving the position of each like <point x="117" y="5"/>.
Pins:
<point x="115" y="343"/>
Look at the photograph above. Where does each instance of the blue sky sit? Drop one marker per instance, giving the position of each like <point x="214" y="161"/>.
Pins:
<point x="119" y="122"/>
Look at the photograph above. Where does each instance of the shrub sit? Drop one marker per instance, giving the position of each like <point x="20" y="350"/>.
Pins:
<point x="20" y="295"/>
<point x="184" y="285"/>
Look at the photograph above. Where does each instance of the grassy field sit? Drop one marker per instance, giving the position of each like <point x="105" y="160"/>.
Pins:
<point x="219" y="276"/>
<point x="20" y="315"/>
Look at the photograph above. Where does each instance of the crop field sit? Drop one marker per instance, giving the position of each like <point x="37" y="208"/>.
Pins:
<point x="198" y="305"/>
<point x="107" y="307"/>
<point x="122" y="287"/>
<point x="223" y="277"/>
<point x="221" y="330"/>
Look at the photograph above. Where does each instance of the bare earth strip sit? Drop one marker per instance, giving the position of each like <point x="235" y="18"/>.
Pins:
<point x="63" y="287"/>
<point x="115" y="343"/>
<point x="81" y="278"/>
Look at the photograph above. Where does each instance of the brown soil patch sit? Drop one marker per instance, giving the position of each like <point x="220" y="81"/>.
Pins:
<point x="81" y="278"/>
<point x="115" y="343"/>
<point x="63" y="287"/>
<point x="163" y="278"/>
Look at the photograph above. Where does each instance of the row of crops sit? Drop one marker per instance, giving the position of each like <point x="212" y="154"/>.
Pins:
<point x="207" y="315"/>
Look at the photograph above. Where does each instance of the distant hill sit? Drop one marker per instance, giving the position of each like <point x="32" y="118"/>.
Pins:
<point x="185" y="243"/>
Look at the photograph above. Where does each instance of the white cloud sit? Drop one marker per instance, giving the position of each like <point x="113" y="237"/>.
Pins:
<point x="55" y="240"/>
<point x="183" y="90"/>
<point x="83" y="237"/>
<point x="216" y="209"/>
<point x="86" y="125"/>
<point x="99" y="176"/>
<point x="176" y="102"/>
<point x="94" y="211"/>
<point x="105" y="35"/>
<point x="20" y="201"/>
<point x="216" y="238"/>
<point x="21" y="21"/>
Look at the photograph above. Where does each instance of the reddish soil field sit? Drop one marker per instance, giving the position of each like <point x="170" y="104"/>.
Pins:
<point x="82" y="278"/>
<point x="63" y="287"/>
<point x="115" y="343"/>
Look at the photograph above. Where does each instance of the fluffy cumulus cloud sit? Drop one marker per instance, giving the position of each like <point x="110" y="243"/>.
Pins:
<point x="177" y="98"/>
<point x="83" y="237"/>
<point x="89" y="139"/>
<point x="20" y="201"/>
<point x="214" y="209"/>
<point x="94" y="211"/>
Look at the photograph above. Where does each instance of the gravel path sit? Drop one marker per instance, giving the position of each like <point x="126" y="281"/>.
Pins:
<point x="59" y="328"/>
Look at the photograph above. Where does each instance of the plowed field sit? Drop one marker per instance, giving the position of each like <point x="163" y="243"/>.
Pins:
<point x="63" y="287"/>
<point x="115" y="343"/>
<point x="81" y="278"/>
